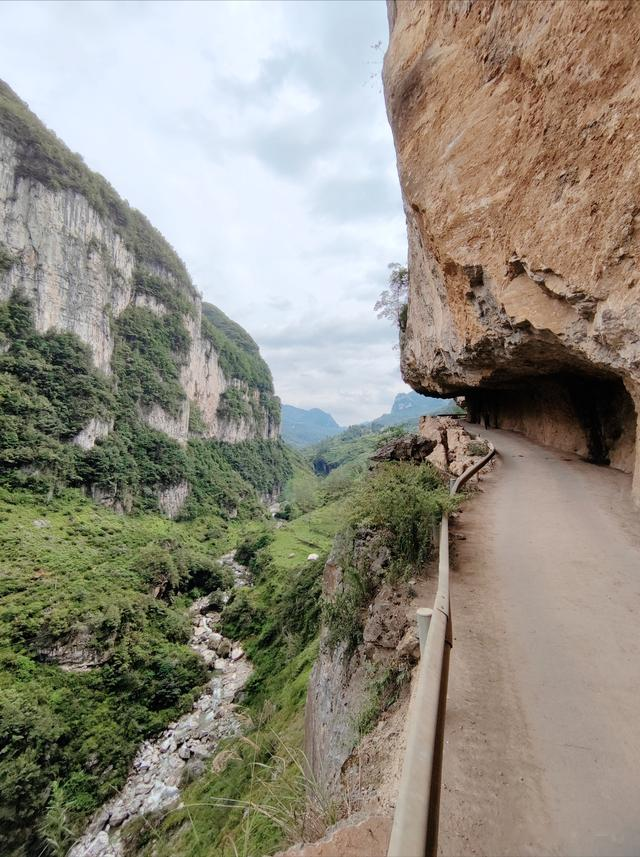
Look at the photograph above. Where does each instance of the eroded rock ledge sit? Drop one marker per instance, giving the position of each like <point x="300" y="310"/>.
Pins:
<point x="517" y="132"/>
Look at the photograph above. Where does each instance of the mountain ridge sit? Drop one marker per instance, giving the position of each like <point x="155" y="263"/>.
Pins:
<point x="305" y="427"/>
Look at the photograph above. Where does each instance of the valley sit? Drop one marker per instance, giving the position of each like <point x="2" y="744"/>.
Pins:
<point x="233" y="627"/>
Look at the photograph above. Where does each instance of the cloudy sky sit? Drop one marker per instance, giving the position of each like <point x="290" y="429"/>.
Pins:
<point x="254" y="136"/>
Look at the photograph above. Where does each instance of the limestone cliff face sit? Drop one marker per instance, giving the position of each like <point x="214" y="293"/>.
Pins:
<point x="517" y="131"/>
<point x="81" y="274"/>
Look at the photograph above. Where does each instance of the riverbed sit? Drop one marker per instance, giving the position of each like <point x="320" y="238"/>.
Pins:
<point x="181" y="751"/>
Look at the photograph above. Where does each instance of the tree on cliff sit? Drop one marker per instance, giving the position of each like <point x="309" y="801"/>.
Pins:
<point x="392" y="302"/>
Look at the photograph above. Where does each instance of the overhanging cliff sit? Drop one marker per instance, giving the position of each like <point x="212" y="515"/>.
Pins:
<point x="517" y="134"/>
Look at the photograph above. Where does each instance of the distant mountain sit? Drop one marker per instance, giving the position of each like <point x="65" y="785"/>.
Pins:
<point x="302" y="427"/>
<point x="409" y="407"/>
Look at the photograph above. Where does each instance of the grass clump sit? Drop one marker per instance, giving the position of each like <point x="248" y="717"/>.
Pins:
<point x="7" y="259"/>
<point x="384" y="689"/>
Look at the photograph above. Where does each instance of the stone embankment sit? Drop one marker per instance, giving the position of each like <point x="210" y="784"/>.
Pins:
<point x="179" y="754"/>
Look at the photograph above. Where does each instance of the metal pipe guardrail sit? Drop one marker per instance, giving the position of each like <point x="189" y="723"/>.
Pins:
<point x="415" y="823"/>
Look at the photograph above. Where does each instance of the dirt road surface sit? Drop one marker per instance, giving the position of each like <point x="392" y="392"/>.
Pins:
<point x="542" y="752"/>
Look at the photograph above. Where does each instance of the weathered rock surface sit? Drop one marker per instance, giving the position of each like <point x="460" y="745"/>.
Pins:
<point x="517" y="131"/>
<point x="78" y="653"/>
<point x="411" y="447"/>
<point x="171" y="499"/>
<point x="340" y="681"/>
<point x="77" y="269"/>
<point x="454" y="450"/>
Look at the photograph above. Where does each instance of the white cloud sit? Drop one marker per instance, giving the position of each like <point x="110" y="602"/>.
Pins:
<point x="254" y="136"/>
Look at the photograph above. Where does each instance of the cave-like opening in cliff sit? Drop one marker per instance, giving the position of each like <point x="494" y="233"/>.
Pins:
<point x="592" y="415"/>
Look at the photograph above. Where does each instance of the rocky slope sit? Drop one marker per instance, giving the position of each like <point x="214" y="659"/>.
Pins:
<point x="87" y="261"/>
<point x="359" y="689"/>
<point x="516" y="128"/>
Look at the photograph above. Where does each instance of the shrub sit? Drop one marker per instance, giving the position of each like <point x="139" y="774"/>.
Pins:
<point x="158" y="568"/>
<point x="7" y="259"/>
<point x="234" y="406"/>
<point x="343" y="616"/>
<point x="251" y="544"/>
<point x="408" y="501"/>
<point x="477" y="447"/>
<point x="384" y="689"/>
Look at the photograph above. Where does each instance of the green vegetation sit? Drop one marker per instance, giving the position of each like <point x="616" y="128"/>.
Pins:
<point x="302" y="494"/>
<point x="164" y="292"/>
<point x="48" y="392"/>
<point x="343" y="616"/>
<point x="260" y="798"/>
<point x="77" y="577"/>
<point x="80" y="582"/>
<point x="234" y="406"/>
<point x="351" y="449"/>
<point x="7" y="259"/>
<point x="399" y="506"/>
<point x="149" y="353"/>
<point x="75" y="574"/>
<point x="238" y="353"/>
<point x="384" y="689"/>
<point x="407" y="502"/>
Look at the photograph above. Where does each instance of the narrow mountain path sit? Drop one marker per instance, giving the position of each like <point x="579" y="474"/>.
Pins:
<point x="542" y="752"/>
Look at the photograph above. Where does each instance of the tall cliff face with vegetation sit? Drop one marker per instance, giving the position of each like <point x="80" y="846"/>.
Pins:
<point x="120" y="392"/>
<point x="102" y="329"/>
<point x="516" y="130"/>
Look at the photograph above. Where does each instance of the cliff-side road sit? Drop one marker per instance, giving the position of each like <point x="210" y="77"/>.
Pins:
<point x="543" y="725"/>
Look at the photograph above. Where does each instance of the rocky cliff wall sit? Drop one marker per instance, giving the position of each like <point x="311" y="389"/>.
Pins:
<point x="517" y="131"/>
<point x="82" y="268"/>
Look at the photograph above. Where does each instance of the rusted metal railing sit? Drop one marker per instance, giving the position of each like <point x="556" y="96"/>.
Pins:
<point x="415" y="823"/>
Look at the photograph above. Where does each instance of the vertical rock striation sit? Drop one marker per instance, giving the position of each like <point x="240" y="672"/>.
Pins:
<point x="517" y="131"/>
<point x="84" y="258"/>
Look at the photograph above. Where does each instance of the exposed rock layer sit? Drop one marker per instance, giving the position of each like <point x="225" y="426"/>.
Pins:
<point x="79" y="272"/>
<point x="517" y="130"/>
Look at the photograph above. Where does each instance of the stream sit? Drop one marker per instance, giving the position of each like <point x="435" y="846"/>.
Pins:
<point x="182" y="749"/>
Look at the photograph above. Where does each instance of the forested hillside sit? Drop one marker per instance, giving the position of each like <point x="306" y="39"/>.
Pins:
<point x="124" y="403"/>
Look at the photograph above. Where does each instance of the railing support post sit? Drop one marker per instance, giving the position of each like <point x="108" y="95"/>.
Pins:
<point x="423" y="615"/>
